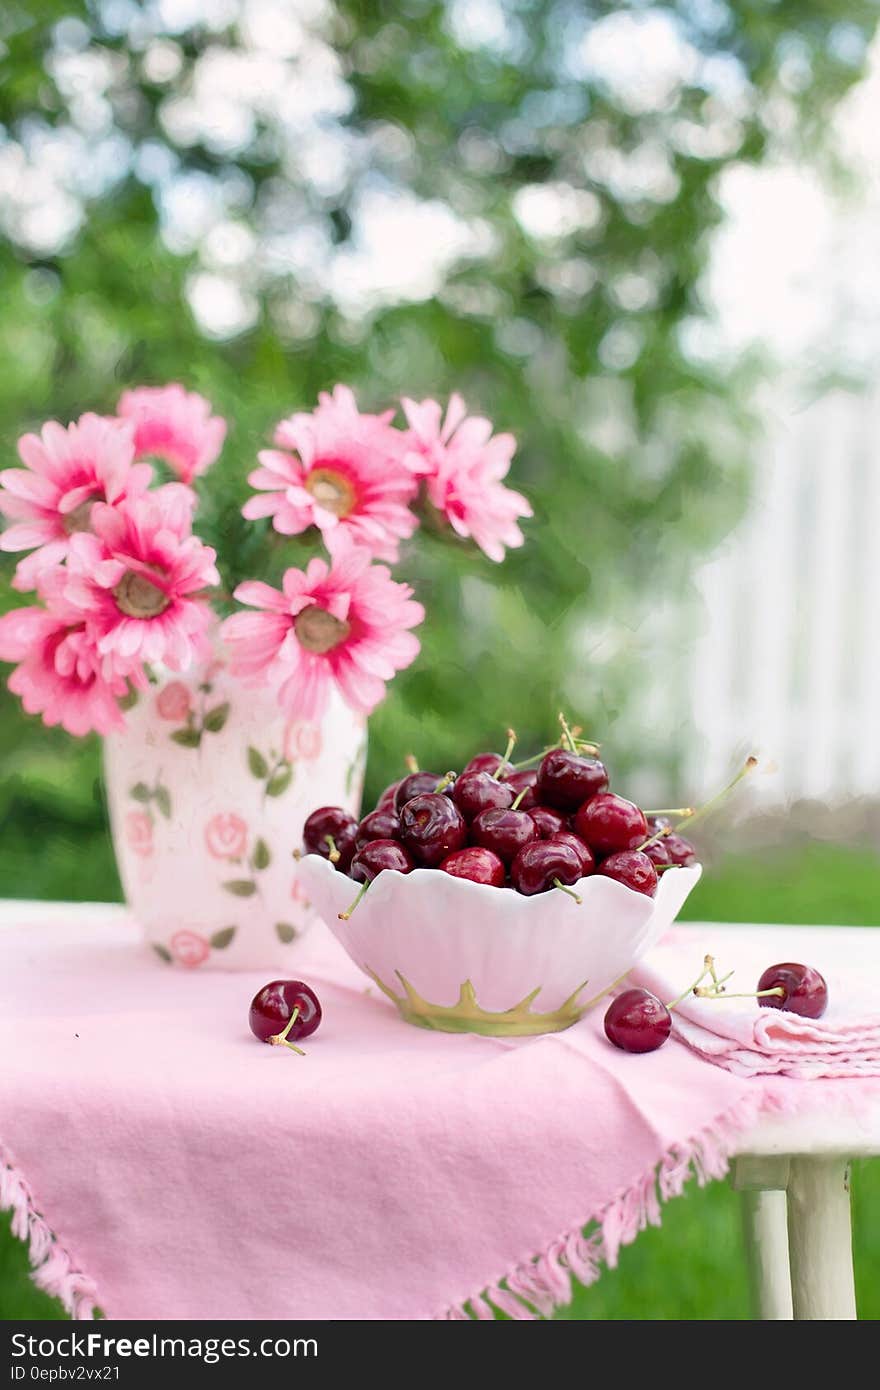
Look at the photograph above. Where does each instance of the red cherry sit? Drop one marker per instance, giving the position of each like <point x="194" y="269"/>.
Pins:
<point x="272" y="1007"/>
<point x="341" y="828"/>
<point x="381" y="824"/>
<point x="477" y="864"/>
<point x="565" y="837"/>
<point x="632" y="867"/>
<point x="637" y="1021"/>
<point x="608" y="822"/>
<point x="431" y="827"/>
<point x="549" y="822"/>
<point x="474" y="792"/>
<point x="657" y="852"/>
<point x="567" y="780"/>
<point x="542" y="865"/>
<point x="377" y="856"/>
<point x="523" y="781"/>
<point x="680" y="850"/>
<point x="386" y="800"/>
<point x="416" y="784"/>
<point x="806" y="992"/>
<point x="504" y="832"/>
<point x="488" y="762"/>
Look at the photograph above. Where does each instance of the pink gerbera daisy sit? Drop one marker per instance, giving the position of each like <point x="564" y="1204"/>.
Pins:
<point x="61" y="674"/>
<point x="174" y="425"/>
<point x="67" y="470"/>
<point x="463" y="464"/>
<point x="344" y="625"/>
<point x="138" y="579"/>
<point x="338" y="470"/>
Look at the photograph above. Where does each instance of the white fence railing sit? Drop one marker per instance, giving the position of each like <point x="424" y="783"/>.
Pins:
<point x="788" y="653"/>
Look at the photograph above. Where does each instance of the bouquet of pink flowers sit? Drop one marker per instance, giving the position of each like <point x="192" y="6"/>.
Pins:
<point x="124" y="584"/>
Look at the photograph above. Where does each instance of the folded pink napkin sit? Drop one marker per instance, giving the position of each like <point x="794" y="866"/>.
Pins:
<point x="753" y="1041"/>
<point x="164" y="1164"/>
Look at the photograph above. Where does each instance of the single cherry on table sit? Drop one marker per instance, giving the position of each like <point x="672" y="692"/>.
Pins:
<point x="284" y="1012"/>
<point x="805" y="990"/>
<point x="637" y="1021"/>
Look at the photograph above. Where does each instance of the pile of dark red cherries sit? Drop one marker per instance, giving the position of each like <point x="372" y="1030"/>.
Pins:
<point x="531" y="830"/>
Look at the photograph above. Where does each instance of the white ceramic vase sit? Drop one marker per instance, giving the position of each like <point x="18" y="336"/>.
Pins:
<point x="208" y="789"/>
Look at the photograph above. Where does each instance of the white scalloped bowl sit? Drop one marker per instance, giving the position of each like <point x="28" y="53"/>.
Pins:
<point x="465" y="958"/>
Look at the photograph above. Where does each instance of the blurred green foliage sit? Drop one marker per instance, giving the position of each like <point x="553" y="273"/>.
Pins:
<point x="578" y="334"/>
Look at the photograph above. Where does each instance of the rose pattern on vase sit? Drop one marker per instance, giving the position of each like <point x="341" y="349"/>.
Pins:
<point x="205" y="825"/>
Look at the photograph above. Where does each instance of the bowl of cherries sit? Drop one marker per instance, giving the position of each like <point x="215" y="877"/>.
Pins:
<point x="505" y="899"/>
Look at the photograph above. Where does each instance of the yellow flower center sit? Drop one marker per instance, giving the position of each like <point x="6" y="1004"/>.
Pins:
<point x="138" y="597"/>
<point x="318" y="631"/>
<point x="332" y="491"/>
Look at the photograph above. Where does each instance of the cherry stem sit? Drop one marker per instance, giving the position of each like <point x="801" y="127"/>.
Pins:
<point x="722" y="994"/>
<point x="708" y="969"/>
<point x="411" y="762"/>
<point x="280" y="1039"/>
<point x="334" y="856"/>
<point x="567" y="735"/>
<point x="519" y="797"/>
<point x="672" y="811"/>
<point x="344" y="916"/>
<point x="535" y="758"/>
<point x="652" y="839"/>
<point x="511" y="744"/>
<point x="748" y="766"/>
<point x="445" y="781"/>
<point x="557" y="883"/>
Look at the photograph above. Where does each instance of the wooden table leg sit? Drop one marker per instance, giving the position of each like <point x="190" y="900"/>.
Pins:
<point x="762" y="1182"/>
<point x="820" y="1239"/>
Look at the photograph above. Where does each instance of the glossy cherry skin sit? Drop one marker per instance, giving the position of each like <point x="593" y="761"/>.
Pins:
<point x="567" y="780"/>
<point x="474" y="792"/>
<point x="378" y="825"/>
<point x="637" y="1021"/>
<point x="431" y="827"/>
<point x="583" y="852"/>
<point x="523" y="781"/>
<point x="386" y="800"/>
<point x="657" y="852"/>
<point x="504" y="832"/>
<point x="272" y="1006"/>
<point x="632" y="867"/>
<point x="477" y="864"/>
<point x="806" y="992"/>
<point x="377" y="856"/>
<point x="416" y="784"/>
<point x="539" y="864"/>
<point x="487" y="762"/>
<point x="549" y="821"/>
<point x="333" y="821"/>
<point x="608" y="822"/>
<point x="680" y="850"/>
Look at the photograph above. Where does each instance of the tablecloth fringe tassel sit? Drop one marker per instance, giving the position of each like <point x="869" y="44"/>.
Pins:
<point x="538" y="1287"/>
<point x="52" y="1268"/>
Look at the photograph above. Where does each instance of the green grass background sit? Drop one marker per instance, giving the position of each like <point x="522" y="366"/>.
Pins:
<point x="693" y="1266"/>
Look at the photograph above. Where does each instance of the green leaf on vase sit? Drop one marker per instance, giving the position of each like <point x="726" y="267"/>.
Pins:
<point x="223" y="938"/>
<point x="280" y="780"/>
<point x="262" y="857"/>
<point x="128" y="701"/>
<point x="257" y="763"/>
<point x="285" y="932"/>
<point x="241" y="887"/>
<point x="216" y="718"/>
<point x="162" y="798"/>
<point x="140" y="792"/>
<point x="162" y="952"/>
<point x="187" y="738"/>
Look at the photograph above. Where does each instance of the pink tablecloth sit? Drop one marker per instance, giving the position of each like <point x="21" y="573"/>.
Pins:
<point x="164" y="1164"/>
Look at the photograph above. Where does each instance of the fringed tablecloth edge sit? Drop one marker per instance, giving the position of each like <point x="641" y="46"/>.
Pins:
<point x="53" y="1269"/>
<point x="538" y="1287"/>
